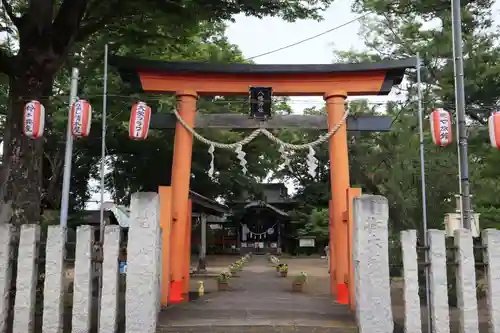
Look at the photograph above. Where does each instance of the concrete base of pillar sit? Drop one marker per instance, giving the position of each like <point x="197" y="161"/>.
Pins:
<point x="202" y="265"/>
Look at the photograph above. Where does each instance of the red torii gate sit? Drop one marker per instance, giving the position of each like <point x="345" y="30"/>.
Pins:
<point x="189" y="80"/>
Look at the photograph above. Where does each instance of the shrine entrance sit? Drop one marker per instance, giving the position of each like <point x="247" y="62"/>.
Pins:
<point x="189" y="80"/>
<point x="261" y="228"/>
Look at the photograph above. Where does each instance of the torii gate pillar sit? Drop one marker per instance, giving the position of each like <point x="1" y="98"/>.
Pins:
<point x="181" y="176"/>
<point x="339" y="182"/>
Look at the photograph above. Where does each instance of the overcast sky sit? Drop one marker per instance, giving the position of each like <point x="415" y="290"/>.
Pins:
<point x="257" y="36"/>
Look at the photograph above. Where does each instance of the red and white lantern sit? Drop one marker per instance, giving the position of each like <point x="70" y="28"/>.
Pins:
<point x="494" y="128"/>
<point x="34" y="119"/>
<point x="441" y="127"/>
<point x="140" y="117"/>
<point x="81" y="118"/>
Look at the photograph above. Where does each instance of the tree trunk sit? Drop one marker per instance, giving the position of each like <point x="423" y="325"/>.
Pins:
<point x="22" y="155"/>
<point x="52" y="174"/>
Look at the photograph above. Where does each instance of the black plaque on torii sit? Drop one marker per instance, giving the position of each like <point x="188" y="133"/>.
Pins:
<point x="260" y="102"/>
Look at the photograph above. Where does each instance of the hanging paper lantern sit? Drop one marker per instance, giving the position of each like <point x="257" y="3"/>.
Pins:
<point x="81" y="118"/>
<point x="494" y="128"/>
<point x="34" y="119"/>
<point x="139" y="121"/>
<point x="441" y="127"/>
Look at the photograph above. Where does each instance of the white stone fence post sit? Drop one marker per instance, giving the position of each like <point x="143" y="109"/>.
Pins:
<point x="143" y="275"/>
<point x="371" y="264"/>
<point x="372" y="279"/>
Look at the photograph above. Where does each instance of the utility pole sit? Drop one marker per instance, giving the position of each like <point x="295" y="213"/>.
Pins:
<point x="69" y="151"/>
<point x="424" y="192"/>
<point x="463" y="155"/>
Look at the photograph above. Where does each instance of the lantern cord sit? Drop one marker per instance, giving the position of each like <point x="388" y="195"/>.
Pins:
<point x="430" y="103"/>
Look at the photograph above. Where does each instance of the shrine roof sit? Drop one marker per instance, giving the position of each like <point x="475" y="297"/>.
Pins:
<point x="202" y="204"/>
<point x="262" y="204"/>
<point x="131" y="70"/>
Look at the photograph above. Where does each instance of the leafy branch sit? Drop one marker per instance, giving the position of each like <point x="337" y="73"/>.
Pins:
<point x="10" y="12"/>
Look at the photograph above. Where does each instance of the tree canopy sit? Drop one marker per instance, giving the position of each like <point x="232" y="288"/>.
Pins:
<point x="388" y="163"/>
<point x="380" y="163"/>
<point x="50" y="37"/>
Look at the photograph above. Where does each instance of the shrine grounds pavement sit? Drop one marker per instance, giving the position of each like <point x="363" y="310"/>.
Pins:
<point x="262" y="302"/>
<point x="259" y="301"/>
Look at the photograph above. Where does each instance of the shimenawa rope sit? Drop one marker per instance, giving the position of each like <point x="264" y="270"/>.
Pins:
<point x="237" y="147"/>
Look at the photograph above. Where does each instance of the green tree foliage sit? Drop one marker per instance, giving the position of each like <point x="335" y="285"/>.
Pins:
<point x="388" y="163"/>
<point x="317" y="225"/>
<point x="135" y="165"/>
<point x="53" y="36"/>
